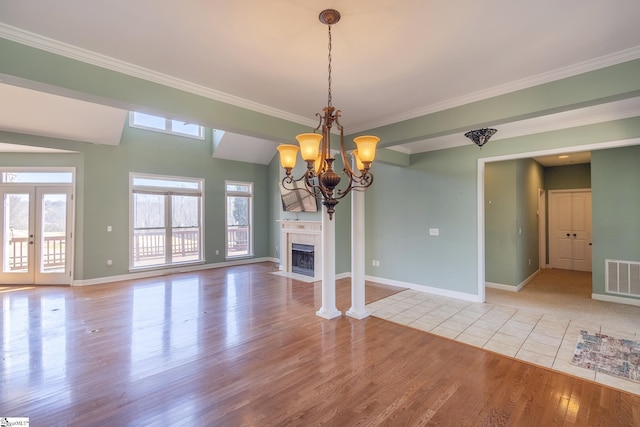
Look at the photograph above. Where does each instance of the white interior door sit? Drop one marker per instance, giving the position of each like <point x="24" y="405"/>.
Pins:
<point x="581" y="235"/>
<point x="570" y="230"/>
<point x="36" y="237"/>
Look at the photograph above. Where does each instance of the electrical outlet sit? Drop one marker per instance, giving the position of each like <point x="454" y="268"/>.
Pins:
<point x="109" y="262"/>
<point x="217" y="252"/>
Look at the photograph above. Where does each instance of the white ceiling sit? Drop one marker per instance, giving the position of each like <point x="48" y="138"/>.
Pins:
<point x="391" y="60"/>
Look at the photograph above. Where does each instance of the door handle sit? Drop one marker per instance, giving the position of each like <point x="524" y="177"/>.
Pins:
<point x="590" y="244"/>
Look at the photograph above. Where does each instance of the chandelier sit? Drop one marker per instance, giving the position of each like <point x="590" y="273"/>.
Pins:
<point x="320" y="179"/>
<point x="480" y="136"/>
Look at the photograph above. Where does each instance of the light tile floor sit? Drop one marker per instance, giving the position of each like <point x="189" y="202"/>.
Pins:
<point x="538" y="338"/>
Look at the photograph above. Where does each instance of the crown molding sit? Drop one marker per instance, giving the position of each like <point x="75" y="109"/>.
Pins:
<point x="561" y="73"/>
<point x="73" y="52"/>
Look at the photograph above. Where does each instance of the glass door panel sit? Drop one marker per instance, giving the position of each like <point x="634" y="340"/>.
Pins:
<point x="53" y="234"/>
<point x="36" y="244"/>
<point x="17" y="235"/>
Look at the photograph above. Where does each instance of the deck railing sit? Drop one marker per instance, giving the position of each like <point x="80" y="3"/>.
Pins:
<point x="150" y="244"/>
<point x="147" y="246"/>
<point x="53" y="252"/>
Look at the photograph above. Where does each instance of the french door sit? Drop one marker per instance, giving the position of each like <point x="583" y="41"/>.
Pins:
<point x="36" y="234"/>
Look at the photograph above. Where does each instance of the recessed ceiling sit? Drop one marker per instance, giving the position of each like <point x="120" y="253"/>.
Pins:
<point x="564" y="159"/>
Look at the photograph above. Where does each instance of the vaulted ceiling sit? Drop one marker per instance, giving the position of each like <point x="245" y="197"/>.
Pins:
<point x="391" y="60"/>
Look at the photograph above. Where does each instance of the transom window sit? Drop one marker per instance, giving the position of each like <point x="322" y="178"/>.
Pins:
<point x="34" y="176"/>
<point x="239" y="240"/>
<point x="165" y="125"/>
<point x="166" y="220"/>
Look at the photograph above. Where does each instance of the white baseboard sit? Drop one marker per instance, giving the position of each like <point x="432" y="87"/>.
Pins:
<point x="167" y="271"/>
<point x="502" y="286"/>
<point x="425" y="289"/>
<point x="343" y="275"/>
<point x="512" y="288"/>
<point x="619" y="300"/>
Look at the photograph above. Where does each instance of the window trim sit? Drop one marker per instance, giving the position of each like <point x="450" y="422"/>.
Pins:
<point x="248" y="194"/>
<point x="167" y="192"/>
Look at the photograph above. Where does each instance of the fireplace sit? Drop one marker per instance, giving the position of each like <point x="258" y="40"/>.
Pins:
<point x="302" y="259"/>
<point x="301" y="243"/>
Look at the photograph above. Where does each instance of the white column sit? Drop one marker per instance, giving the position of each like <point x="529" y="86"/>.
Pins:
<point x="328" y="309"/>
<point x="358" y="309"/>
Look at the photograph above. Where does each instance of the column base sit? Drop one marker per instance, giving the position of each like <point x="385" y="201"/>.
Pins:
<point x="358" y="314"/>
<point x="328" y="314"/>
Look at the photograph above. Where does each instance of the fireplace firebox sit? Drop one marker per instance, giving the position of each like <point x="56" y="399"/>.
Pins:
<point x="302" y="259"/>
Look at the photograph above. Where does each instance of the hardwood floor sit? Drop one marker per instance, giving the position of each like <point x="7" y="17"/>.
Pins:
<point x="240" y="346"/>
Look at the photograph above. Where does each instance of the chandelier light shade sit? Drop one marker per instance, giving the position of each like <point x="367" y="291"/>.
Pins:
<point x="480" y="136"/>
<point x="315" y="148"/>
<point x="288" y="154"/>
<point x="359" y="164"/>
<point x="309" y="145"/>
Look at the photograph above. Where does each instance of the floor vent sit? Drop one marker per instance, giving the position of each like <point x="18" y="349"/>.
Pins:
<point x="623" y="277"/>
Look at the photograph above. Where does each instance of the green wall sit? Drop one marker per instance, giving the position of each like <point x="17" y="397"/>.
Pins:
<point x="500" y="222"/>
<point x="511" y="220"/>
<point x="438" y="190"/>
<point x="616" y="209"/>
<point x="567" y="177"/>
<point x="102" y="194"/>
<point x="529" y="181"/>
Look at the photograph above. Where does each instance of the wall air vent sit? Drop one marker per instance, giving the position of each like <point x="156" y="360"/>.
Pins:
<point x="623" y="277"/>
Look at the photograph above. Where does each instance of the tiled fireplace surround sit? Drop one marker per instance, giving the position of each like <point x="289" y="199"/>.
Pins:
<point x="305" y="233"/>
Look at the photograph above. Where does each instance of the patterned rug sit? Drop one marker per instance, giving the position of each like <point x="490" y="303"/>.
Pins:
<point x="613" y="356"/>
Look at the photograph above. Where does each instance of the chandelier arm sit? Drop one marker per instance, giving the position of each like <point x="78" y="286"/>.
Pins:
<point x="360" y="183"/>
<point x="319" y="116"/>
<point x="344" y="191"/>
<point x="288" y="183"/>
<point x="345" y="160"/>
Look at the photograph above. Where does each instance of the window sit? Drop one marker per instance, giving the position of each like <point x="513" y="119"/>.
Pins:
<point x="239" y="218"/>
<point x="34" y="176"/>
<point x="165" y="125"/>
<point x="166" y="218"/>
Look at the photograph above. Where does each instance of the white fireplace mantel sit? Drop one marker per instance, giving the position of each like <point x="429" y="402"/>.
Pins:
<point x="305" y="233"/>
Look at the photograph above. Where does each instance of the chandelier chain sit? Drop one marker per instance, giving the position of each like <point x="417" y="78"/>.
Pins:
<point x="329" y="68"/>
